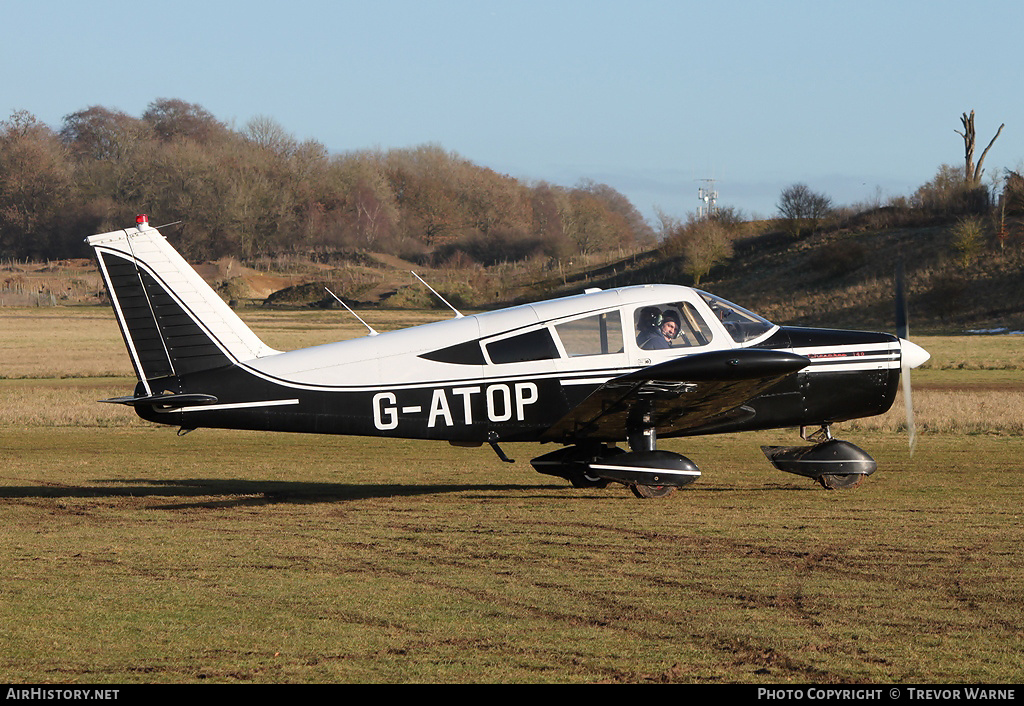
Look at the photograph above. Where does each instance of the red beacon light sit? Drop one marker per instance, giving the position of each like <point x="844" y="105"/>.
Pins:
<point x="142" y="221"/>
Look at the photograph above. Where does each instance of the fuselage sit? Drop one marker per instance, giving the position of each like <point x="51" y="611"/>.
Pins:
<point x="513" y="374"/>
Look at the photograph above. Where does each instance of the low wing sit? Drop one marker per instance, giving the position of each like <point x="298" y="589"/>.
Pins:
<point x="679" y="395"/>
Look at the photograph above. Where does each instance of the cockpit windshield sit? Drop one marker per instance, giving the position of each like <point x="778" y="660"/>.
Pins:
<point x="741" y="324"/>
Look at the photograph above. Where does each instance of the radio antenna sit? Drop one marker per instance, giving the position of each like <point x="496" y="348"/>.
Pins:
<point x="370" y="328"/>
<point x="458" y="314"/>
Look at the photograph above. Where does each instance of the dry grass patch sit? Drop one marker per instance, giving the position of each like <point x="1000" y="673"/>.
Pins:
<point x="954" y="411"/>
<point x="59" y="342"/>
<point x="70" y="402"/>
<point x="55" y="342"/>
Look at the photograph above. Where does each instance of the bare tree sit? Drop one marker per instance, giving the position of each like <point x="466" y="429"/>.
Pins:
<point x="617" y="203"/>
<point x="270" y="135"/>
<point x="36" y="185"/>
<point x="172" y="118"/>
<point x="972" y="173"/>
<point x="798" y="205"/>
<point x="99" y="133"/>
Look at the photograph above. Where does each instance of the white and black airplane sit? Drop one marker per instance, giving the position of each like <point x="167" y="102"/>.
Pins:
<point x="584" y="372"/>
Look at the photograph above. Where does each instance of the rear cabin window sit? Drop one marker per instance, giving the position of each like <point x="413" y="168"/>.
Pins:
<point x="593" y="335"/>
<point x="460" y="354"/>
<point x="535" y="345"/>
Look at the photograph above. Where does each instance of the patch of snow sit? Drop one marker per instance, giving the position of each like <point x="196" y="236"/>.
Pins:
<point x="1002" y="331"/>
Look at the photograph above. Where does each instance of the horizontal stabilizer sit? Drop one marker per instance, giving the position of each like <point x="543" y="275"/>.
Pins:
<point x="166" y="400"/>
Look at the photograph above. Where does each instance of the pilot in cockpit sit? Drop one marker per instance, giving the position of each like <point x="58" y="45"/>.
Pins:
<point x="669" y="326"/>
<point x="656" y="329"/>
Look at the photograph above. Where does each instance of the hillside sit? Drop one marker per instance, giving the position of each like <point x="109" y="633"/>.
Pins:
<point x="846" y="279"/>
<point x="835" y="279"/>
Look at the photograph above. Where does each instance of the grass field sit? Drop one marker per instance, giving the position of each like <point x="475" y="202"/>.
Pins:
<point x="133" y="555"/>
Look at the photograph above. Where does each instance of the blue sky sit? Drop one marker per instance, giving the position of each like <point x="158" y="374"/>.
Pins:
<point x="856" y="99"/>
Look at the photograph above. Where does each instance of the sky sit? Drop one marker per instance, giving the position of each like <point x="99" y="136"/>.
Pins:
<point x="858" y="100"/>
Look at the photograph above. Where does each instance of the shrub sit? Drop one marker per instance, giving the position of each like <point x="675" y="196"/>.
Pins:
<point x="702" y="243"/>
<point x="968" y="237"/>
<point x="949" y="194"/>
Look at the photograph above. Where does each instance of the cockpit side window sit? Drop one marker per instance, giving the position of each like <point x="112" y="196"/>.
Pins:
<point x="675" y="325"/>
<point x="741" y="324"/>
<point x="591" y="335"/>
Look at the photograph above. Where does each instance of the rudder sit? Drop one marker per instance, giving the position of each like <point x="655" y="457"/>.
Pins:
<point x="173" y="323"/>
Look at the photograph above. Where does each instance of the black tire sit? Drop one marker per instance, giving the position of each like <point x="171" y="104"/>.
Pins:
<point x="652" y="491"/>
<point x="840" y="481"/>
<point x="582" y="480"/>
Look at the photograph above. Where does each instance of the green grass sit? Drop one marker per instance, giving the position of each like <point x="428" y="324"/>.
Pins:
<point x="133" y="555"/>
<point x="973" y="352"/>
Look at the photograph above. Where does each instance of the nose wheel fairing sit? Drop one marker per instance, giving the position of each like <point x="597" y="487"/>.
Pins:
<point x="833" y="463"/>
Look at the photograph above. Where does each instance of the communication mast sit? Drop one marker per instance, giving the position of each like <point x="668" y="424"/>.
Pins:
<point x="708" y="196"/>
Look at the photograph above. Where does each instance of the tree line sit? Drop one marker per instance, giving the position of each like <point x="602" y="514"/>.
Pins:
<point x="259" y="191"/>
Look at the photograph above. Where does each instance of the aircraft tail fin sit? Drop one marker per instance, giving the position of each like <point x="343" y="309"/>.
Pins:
<point x="173" y="323"/>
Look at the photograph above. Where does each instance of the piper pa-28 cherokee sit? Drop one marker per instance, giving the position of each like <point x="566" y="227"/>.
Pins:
<point x="586" y="371"/>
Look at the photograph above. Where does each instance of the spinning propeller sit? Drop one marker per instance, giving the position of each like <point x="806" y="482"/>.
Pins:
<point x="911" y="354"/>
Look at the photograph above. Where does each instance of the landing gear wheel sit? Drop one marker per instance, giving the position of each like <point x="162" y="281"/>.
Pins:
<point x="582" y="480"/>
<point x="652" y="491"/>
<point x="836" y="481"/>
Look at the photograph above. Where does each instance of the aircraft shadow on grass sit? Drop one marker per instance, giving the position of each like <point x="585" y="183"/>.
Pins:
<point x="233" y="492"/>
<point x="227" y="493"/>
